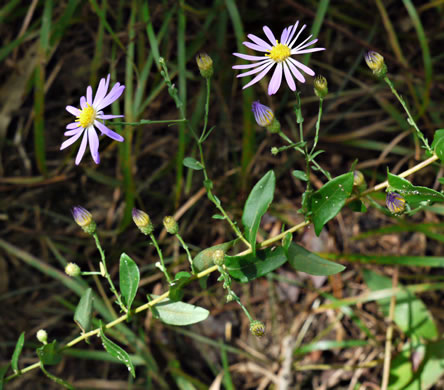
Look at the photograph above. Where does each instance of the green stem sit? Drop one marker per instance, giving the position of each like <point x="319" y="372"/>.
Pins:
<point x="411" y="120"/>
<point x="159" y="253"/>
<point x="107" y="275"/>
<point x="185" y="246"/>
<point x="207" y="109"/>
<point x="318" y="125"/>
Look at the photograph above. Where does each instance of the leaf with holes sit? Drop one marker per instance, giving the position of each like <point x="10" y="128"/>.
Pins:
<point x="116" y="351"/>
<point x="328" y="201"/>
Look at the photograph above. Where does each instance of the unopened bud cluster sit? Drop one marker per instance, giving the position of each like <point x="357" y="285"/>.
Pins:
<point x="218" y="257"/>
<point x="358" y="178"/>
<point x="84" y="219"/>
<point x="395" y="202"/>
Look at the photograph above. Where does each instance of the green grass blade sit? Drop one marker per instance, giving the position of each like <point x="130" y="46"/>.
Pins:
<point x="317" y="24"/>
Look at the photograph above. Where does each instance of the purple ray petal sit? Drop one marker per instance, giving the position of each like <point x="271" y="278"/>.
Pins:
<point x="269" y="35"/>
<point x="93" y="144"/>
<point x="111" y="97"/>
<point x="72" y="110"/>
<point x="104" y="117"/>
<point x="284" y="34"/>
<point x="248" y="57"/>
<point x="89" y="93"/>
<point x="69" y="133"/>
<point x="259" y="76"/>
<point x="299" y="76"/>
<point x="253" y="65"/>
<point x="108" y="132"/>
<point x="82" y="148"/>
<point x="253" y="46"/>
<point x="289" y="77"/>
<point x="254" y="71"/>
<point x="71" y="140"/>
<point x="297" y="36"/>
<point x="73" y="125"/>
<point x="300" y="65"/>
<point x="259" y="41"/>
<point x="309" y="50"/>
<point x="101" y="91"/>
<point x="82" y="102"/>
<point x="290" y="35"/>
<point x="276" y="79"/>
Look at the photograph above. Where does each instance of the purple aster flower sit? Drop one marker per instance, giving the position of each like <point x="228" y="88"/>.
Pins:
<point x="278" y="54"/>
<point x="91" y="116"/>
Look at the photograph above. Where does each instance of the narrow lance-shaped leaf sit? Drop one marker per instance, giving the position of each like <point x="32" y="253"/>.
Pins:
<point x="328" y="201"/>
<point x="83" y="313"/>
<point x="17" y="351"/>
<point x="256" y="205"/>
<point x="129" y="279"/>
<point x="116" y="351"/>
<point x="192" y="163"/>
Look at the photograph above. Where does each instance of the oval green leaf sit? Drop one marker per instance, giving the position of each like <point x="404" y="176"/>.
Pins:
<point x="116" y="351"/>
<point x="17" y="351"/>
<point x="192" y="163"/>
<point x="249" y="267"/>
<point x="179" y="313"/>
<point x="328" y="201"/>
<point x="256" y="205"/>
<point x="129" y="279"/>
<point x="303" y="260"/>
<point x="301" y="175"/>
<point x="83" y="313"/>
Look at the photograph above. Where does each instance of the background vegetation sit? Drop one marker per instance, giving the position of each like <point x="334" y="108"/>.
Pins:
<point x="323" y="333"/>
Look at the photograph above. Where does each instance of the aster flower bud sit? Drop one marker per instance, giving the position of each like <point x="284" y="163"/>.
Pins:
<point x="218" y="257"/>
<point x="205" y="64"/>
<point x="274" y="151"/>
<point x="72" y="269"/>
<point x="257" y="328"/>
<point x="320" y="86"/>
<point x="170" y="225"/>
<point x="264" y="117"/>
<point x="142" y="221"/>
<point x="375" y="62"/>
<point x="84" y="219"/>
<point x="42" y="336"/>
<point x="395" y="202"/>
<point x="358" y="178"/>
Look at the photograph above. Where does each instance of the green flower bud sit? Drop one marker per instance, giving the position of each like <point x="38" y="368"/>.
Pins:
<point x="264" y="117"/>
<point x="171" y="225"/>
<point x="358" y="178"/>
<point x="72" y="269"/>
<point x="84" y="219"/>
<point x="142" y="221"/>
<point x="375" y="62"/>
<point x="205" y="64"/>
<point x="274" y="151"/>
<point x="320" y="86"/>
<point x="218" y="257"/>
<point x="42" y="336"/>
<point x="257" y="328"/>
<point x="230" y="298"/>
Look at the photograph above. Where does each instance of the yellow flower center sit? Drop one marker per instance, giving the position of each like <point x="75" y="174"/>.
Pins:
<point x="87" y="116"/>
<point x="279" y="52"/>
